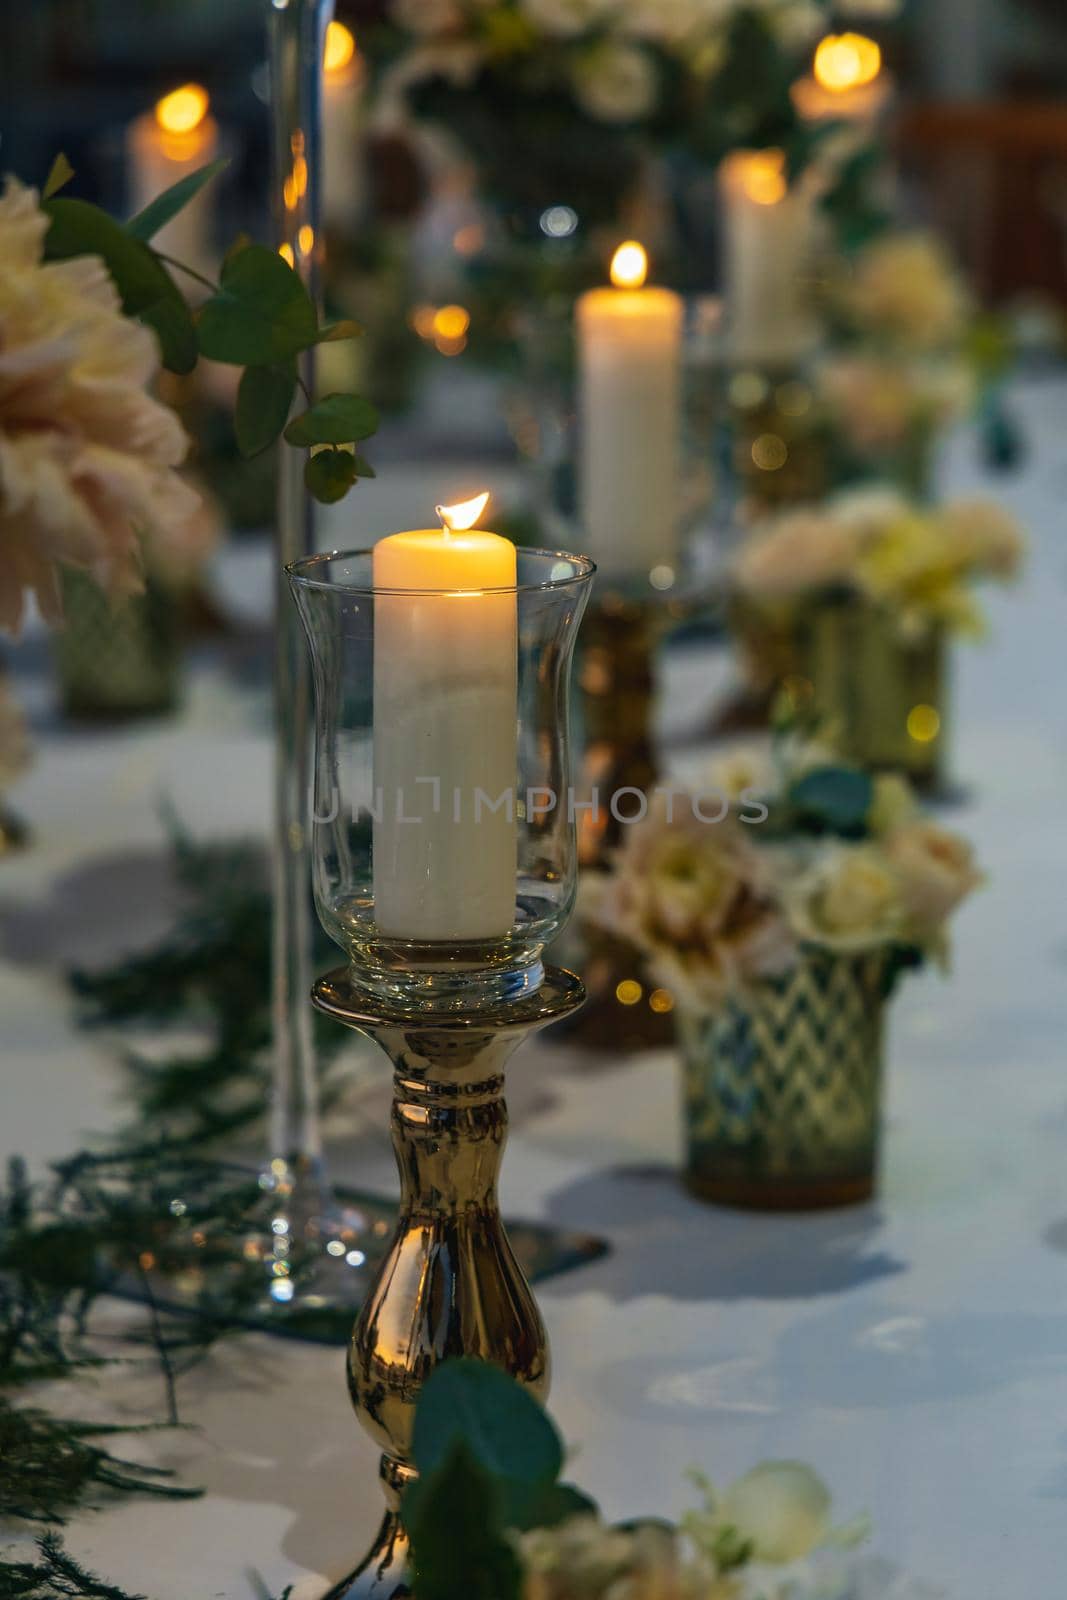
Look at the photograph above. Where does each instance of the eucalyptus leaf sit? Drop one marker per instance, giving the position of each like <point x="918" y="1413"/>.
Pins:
<point x="147" y="223"/>
<point x="459" y="1548"/>
<point x="833" y="800"/>
<point x="503" y="1427"/>
<point x="329" y="475"/>
<point x="264" y="399"/>
<point x="540" y="1505"/>
<point x="145" y="287"/>
<point x="261" y="314"/>
<point x="337" y="419"/>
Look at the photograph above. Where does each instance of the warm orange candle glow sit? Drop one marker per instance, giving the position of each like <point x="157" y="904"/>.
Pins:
<point x="458" y="518"/>
<point x="762" y="175"/>
<point x="629" y="265"/>
<point x="340" y="47"/>
<point x="845" y="61"/>
<point x="183" y="110"/>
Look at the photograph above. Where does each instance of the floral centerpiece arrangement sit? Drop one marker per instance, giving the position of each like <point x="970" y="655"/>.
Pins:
<point x="555" y="100"/>
<point x="779" y="914"/>
<point x="908" y="356"/>
<point x="489" y="1516"/>
<point x="89" y="313"/>
<point x="858" y="596"/>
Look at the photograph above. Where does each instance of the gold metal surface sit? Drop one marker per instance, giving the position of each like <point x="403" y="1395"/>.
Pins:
<point x="867" y="681"/>
<point x="620" y="637"/>
<point x="449" y="1284"/>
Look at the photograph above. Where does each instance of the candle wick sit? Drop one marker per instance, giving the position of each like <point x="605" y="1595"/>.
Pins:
<point x="446" y="526"/>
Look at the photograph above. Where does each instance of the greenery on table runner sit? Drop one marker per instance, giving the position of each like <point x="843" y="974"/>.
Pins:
<point x="55" y="1575"/>
<point x="212" y="968"/>
<point x="259" y="316"/>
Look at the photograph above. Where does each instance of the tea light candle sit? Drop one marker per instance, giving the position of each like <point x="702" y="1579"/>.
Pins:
<point x="163" y="146"/>
<point x="445" y="728"/>
<point x="769" y="236"/>
<point x="630" y="402"/>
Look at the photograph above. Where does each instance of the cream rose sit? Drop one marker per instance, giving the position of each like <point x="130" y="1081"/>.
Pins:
<point x="797" y="553"/>
<point x="988" y="537"/>
<point x="936" y="871"/>
<point x="86" y="455"/>
<point x="851" y="900"/>
<point x="905" y="287"/>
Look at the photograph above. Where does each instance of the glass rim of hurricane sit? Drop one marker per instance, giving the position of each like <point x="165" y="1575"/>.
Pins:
<point x="300" y="572"/>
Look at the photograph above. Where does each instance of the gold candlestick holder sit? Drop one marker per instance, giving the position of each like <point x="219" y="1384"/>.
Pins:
<point x="449" y="1284"/>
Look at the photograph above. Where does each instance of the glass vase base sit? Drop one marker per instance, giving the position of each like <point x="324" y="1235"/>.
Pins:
<point x="785" y="1194"/>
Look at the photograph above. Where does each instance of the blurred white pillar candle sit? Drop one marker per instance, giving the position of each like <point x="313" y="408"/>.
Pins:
<point x="769" y="229"/>
<point x="445" y="728"/>
<point x="630" y="403"/>
<point x="342" y="101"/>
<point x="162" y="147"/>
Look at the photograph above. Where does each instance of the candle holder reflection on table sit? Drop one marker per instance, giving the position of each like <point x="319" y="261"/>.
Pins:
<point x="444" y="862"/>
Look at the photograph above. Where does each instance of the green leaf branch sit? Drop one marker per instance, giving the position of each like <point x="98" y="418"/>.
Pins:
<point x="259" y="316"/>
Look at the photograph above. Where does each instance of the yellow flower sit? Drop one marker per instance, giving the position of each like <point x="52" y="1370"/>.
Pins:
<point x="893" y="805"/>
<point x="905" y="287"/>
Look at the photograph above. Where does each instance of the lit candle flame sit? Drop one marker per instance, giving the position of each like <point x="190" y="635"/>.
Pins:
<point x="763" y="176"/>
<point x="457" y="519"/>
<point x="846" y="61"/>
<point x="629" y="265"/>
<point x="183" y="110"/>
<point x="340" y="47"/>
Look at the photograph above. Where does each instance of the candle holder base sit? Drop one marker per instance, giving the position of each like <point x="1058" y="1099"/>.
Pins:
<point x="384" y="1573"/>
<point x="449" y="1284"/>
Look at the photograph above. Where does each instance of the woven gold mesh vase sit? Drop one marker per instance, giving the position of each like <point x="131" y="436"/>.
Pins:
<point x="116" y="659"/>
<point x="885" y="694"/>
<point x="782" y="1088"/>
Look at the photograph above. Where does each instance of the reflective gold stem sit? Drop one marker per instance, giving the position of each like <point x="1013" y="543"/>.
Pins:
<point x="449" y="1284"/>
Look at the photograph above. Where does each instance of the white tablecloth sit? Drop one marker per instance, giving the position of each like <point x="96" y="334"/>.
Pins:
<point x="914" y="1350"/>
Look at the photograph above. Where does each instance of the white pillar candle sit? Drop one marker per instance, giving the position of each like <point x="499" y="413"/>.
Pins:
<point x="162" y="147"/>
<point x="342" y="104"/>
<point x="630" y="407"/>
<point x="445" y="730"/>
<point x="769" y="235"/>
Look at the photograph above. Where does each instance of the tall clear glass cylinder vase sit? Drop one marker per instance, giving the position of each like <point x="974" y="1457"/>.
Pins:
<point x="308" y="1217"/>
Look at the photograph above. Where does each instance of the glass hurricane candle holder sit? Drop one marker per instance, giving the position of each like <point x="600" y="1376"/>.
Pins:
<point x="443" y="829"/>
<point x="444" y="859"/>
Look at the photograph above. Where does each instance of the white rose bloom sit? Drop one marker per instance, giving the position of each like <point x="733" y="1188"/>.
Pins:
<point x="86" y="455"/>
<point x="616" y="83"/>
<point x="850" y="901"/>
<point x="566" y="19"/>
<point x="781" y="1507"/>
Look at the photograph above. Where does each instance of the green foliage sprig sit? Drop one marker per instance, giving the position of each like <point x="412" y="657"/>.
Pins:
<point x="259" y="316"/>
